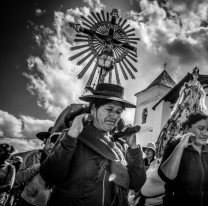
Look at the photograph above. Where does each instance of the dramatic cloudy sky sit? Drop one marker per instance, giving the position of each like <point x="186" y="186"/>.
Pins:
<point x="37" y="81"/>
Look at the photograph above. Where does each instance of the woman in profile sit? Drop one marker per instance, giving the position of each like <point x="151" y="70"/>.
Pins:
<point x="184" y="167"/>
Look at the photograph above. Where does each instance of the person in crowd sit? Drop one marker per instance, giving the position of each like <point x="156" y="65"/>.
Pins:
<point x="36" y="191"/>
<point x="16" y="190"/>
<point x="149" y="151"/>
<point x="16" y="162"/>
<point x="152" y="192"/>
<point x="7" y="172"/>
<point x="184" y="167"/>
<point x="89" y="167"/>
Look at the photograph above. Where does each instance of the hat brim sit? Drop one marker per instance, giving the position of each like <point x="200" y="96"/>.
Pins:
<point x="43" y="135"/>
<point x="89" y="98"/>
<point x="143" y="148"/>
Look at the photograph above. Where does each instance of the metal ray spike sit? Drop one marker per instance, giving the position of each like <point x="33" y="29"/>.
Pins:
<point x="136" y="39"/>
<point x="78" y="47"/>
<point x="131" y="65"/>
<point x="79" y="54"/>
<point x="130" y="30"/>
<point x="107" y="16"/>
<point x="131" y="35"/>
<point x="103" y="15"/>
<point x="85" y="24"/>
<point x="84" y="58"/>
<point x="80" y="40"/>
<point x="133" y="42"/>
<point x="92" y="75"/>
<point x="110" y="77"/>
<point x="123" y="71"/>
<point x="81" y="35"/>
<point x="125" y="20"/>
<point x="117" y="75"/>
<point x="135" y="60"/>
<point x="95" y="16"/>
<point x="81" y="74"/>
<point x="126" y="27"/>
<point x="129" y="71"/>
<point x="91" y="19"/>
<point x="87" y="20"/>
<point x="98" y="15"/>
<point x="119" y="21"/>
<point x="133" y="54"/>
<point x="119" y="51"/>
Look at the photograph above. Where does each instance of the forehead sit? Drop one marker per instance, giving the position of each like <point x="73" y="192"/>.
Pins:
<point x="202" y="122"/>
<point x="114" y="104"/>
<point x="148" y="149"/>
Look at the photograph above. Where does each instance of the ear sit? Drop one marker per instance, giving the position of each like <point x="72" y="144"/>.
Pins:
<point x="186" y="129"/>
<point x="93" y="109"/>
<point x="44" y="141"/>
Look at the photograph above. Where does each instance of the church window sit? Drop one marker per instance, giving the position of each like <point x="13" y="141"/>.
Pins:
<point x="144" y="115"/>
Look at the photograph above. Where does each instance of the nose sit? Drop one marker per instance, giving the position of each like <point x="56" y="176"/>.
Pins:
<point x="205" y="133"/>
<point x="114" y="115"/>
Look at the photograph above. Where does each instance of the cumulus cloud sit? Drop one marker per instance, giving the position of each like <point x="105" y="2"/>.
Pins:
<point x="39" y="12"/>
<point x="21" y="145"/>
<point x="182" y="45"/>
<point x="10" y="126"/>
<point x="20" y="132"/>
<point x="23" y="127"/>
<point x="189" y="4"/>
<point x="96" y="5"/>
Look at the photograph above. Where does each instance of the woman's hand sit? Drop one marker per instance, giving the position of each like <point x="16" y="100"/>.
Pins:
<point x="77" y="126"/>
<point x="185" y="140"/>
<point x="131" y="139"/>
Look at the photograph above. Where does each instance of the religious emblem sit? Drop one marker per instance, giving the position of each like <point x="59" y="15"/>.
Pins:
<point x="109" y="44"/>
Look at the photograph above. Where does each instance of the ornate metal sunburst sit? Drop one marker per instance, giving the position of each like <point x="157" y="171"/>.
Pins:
<point x="109" y="42"/>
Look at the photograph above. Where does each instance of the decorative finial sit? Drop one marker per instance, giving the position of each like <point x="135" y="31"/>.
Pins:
<point x="114" y="13"/>
<point x="165" y="65"/>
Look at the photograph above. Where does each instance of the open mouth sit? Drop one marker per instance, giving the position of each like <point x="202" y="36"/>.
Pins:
<point x="204" y="139"/>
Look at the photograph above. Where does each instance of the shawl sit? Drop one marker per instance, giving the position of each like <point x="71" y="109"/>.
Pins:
<point x="112" y="158"/>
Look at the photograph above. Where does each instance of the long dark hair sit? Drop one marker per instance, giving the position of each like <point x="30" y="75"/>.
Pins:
<point x="193" y="118"/>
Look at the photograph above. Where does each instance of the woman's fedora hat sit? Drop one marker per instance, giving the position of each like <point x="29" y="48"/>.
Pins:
<point x="44" y="135"/>
<point x="107" y="91"/>
<point x="150" y="145"/>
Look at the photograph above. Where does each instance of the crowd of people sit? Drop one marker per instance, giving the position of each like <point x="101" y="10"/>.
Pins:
<point x="83" y="164"/>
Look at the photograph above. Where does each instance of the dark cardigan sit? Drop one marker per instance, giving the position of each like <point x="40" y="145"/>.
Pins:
<point x="72" y="168"/>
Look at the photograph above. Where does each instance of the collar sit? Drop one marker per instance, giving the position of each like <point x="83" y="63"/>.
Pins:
<point x="204" y="148"/>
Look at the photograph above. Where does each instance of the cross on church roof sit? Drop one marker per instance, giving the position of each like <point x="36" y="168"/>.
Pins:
<point x="163" y="79"/>
<point x="165" y="65"/>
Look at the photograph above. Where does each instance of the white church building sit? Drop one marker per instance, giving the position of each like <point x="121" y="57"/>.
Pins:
<point x="154" y="105"/>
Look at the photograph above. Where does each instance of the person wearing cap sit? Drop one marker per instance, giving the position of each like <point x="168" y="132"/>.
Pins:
<point x="89" y="167"/>
<point x="36" y="191"/>
<point x="152" y="192"/>
<point x="7" y="172"/>
<point x="149" y="151"/>
<point x="16" y="189"/>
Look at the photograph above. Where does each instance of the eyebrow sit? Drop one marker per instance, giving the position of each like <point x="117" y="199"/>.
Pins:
<point x="114" y="107"/>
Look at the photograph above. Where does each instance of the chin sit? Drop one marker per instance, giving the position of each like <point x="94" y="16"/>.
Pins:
<point x="200" y="143"/>
<point x="109" y="127"/>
